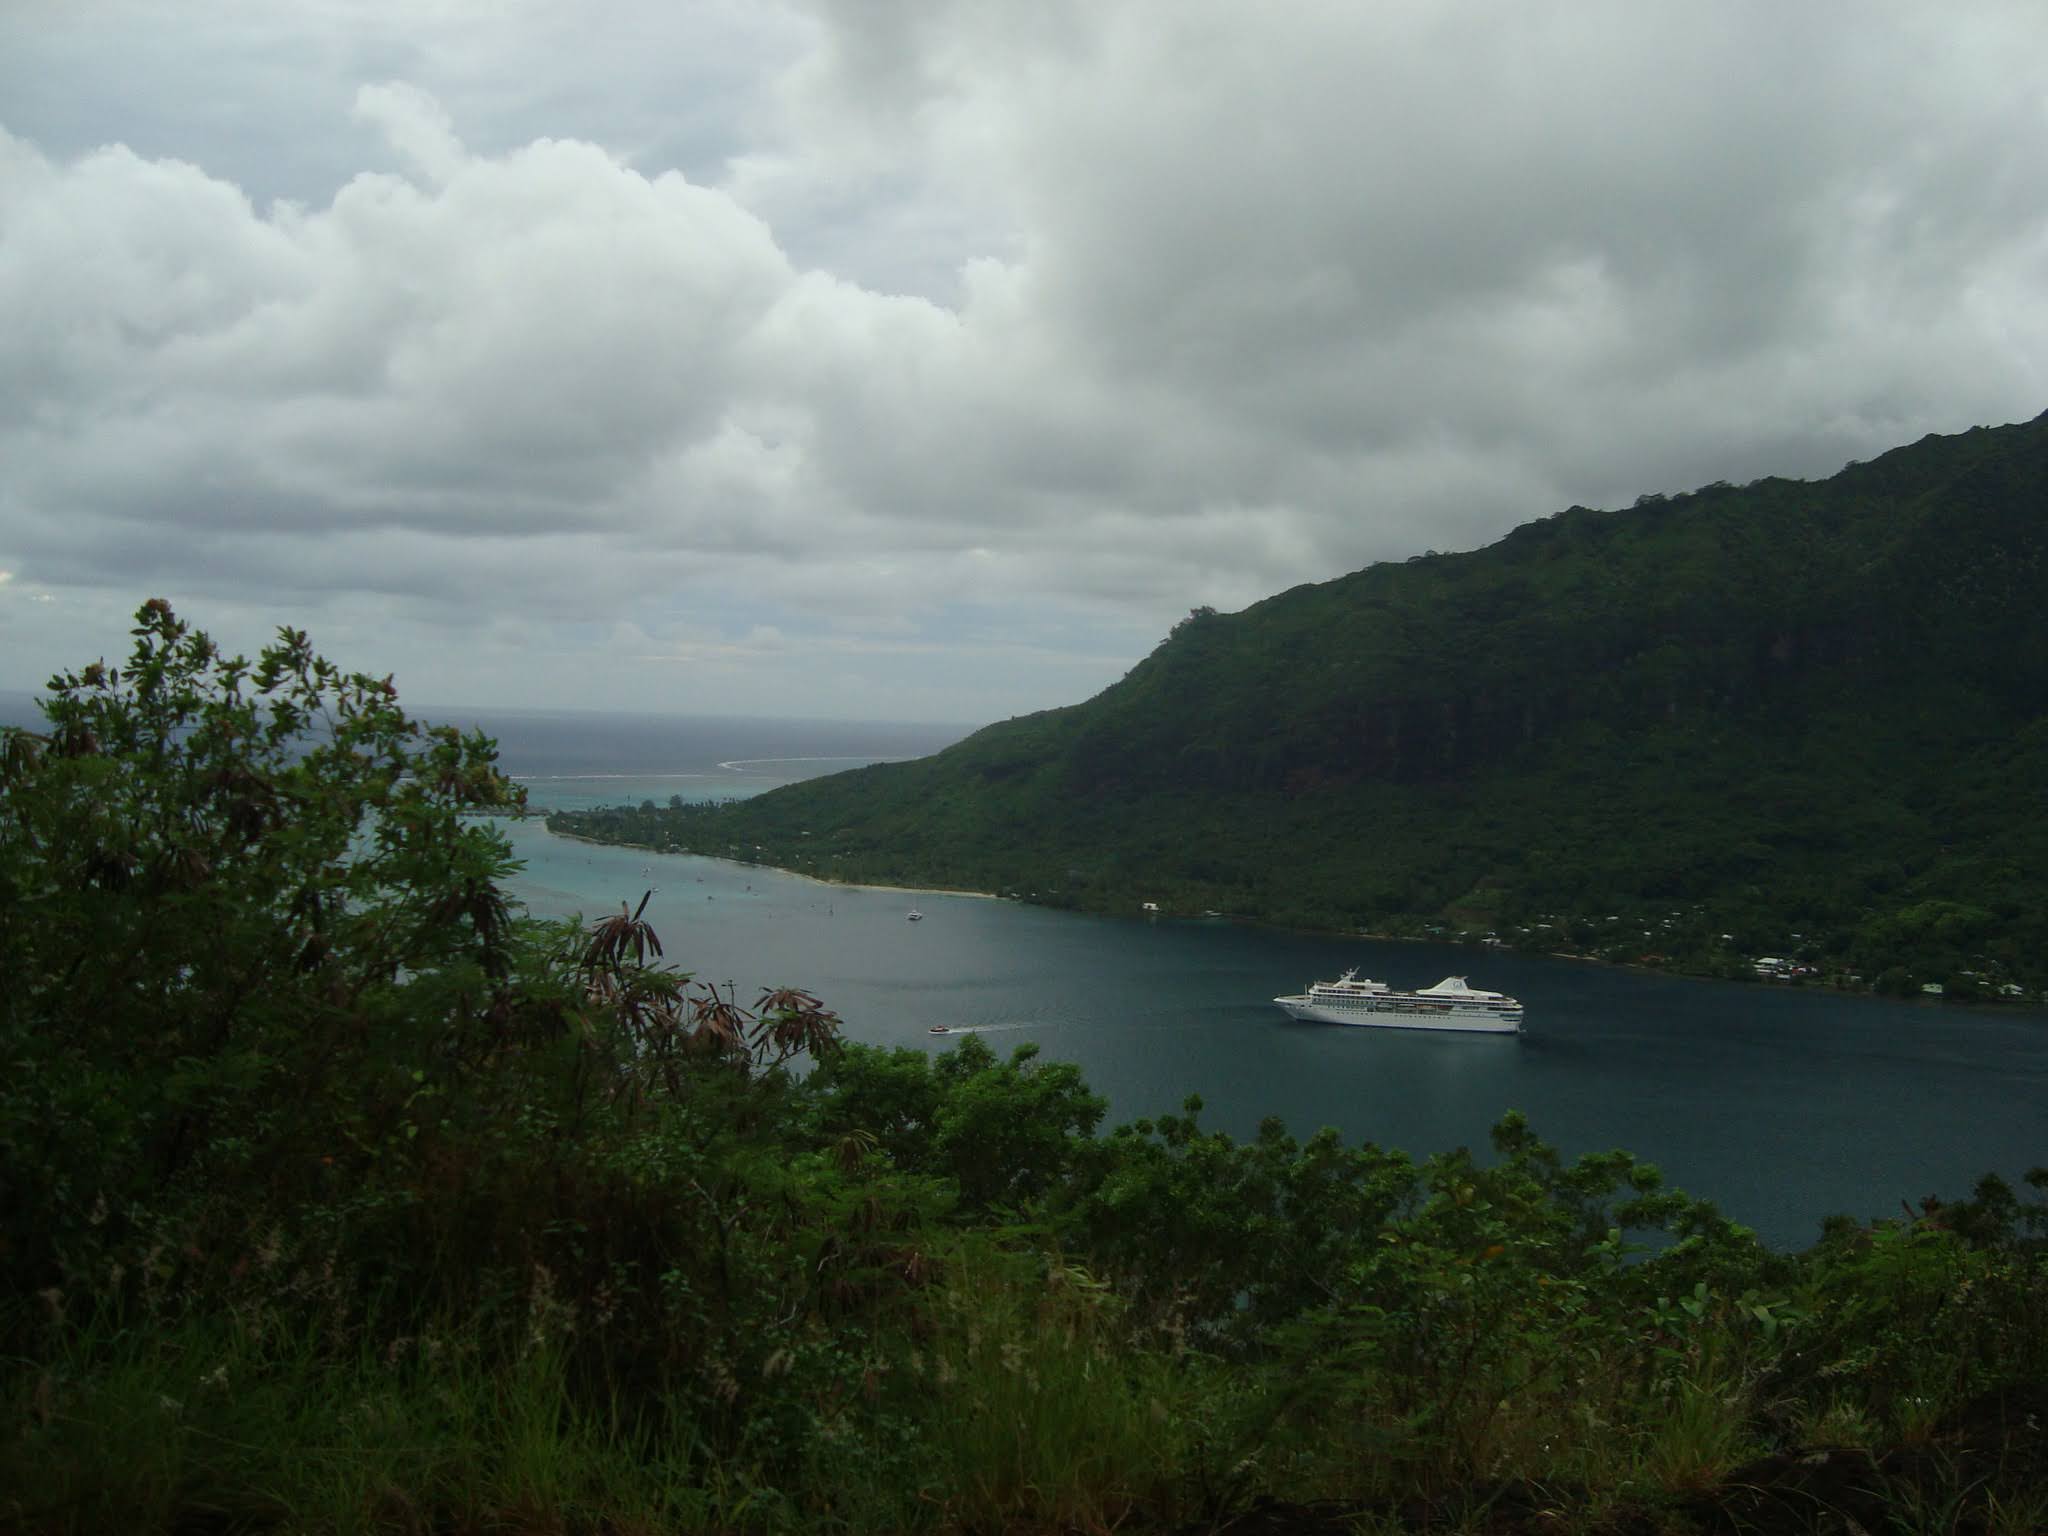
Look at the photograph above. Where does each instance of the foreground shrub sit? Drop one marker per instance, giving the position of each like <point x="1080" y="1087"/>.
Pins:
<point x="340" y="1195"/>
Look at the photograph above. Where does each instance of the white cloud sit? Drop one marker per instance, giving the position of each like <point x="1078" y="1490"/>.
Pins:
<point x="966" y="345"/>
<point x="417" y="127"/>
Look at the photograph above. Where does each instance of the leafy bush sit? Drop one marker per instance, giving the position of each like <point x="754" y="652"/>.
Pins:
<point x="341" y="1195"/>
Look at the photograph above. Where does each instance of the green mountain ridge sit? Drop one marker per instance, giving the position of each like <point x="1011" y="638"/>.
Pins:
<point x="1809" y="716"/>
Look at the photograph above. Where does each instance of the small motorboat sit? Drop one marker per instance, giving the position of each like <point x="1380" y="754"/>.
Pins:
<point x="942" y="1029"/>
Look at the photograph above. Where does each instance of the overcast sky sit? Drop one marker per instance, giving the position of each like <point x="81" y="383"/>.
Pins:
<point x="922" y="360"/>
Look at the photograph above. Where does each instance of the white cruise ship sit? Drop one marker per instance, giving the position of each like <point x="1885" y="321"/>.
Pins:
<point x="1450" y="1004"/>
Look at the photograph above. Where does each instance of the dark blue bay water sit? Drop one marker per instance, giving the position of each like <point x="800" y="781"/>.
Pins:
<point x="1782" y="1105"/>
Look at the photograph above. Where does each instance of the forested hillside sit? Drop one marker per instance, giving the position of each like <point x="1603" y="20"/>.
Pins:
<point x="1808" y="719"/>
<point x="343" y="1196"/>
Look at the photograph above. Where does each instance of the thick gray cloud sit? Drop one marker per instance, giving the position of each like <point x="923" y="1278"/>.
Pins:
<point x="926" y="360"/>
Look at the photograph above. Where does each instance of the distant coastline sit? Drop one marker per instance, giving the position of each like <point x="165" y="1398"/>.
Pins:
<point x="1334" y="933"/>
<point x="1132" y="900"/>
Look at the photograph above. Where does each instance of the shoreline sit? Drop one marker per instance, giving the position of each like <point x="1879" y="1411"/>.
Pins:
<point x="1332" y="933"/>
<point x="799" y="874"/>
<point x="863" y="885"/>
<point x="1992" y="1003"/>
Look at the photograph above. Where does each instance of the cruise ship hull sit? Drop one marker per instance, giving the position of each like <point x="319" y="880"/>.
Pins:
<point x="1399" y="1013"/>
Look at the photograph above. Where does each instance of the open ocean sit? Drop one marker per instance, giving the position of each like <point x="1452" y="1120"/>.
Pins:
<point x="1783" y="1105"/>
<point x="574" y="759"/>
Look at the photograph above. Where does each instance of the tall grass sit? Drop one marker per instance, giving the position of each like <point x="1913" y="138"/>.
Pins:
<point x="1024" y="1401"/>
<point x="212" y="1424"/>
<point x="1044" y="1407"/>
<point x="1018" y="1393"/>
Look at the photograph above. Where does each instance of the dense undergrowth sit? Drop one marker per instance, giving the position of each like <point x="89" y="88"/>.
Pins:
<point x="340" y="1196"/>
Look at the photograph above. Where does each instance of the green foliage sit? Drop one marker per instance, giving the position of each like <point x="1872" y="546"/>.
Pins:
<point x="1813" y="717"/>
<point x="342" y="1196"/>
<point x="230" y="887"/>
<point x="1004" y="1134"/>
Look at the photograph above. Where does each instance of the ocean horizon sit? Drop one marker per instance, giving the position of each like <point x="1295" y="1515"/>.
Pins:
<point x="578" y="759"/>
<point x="581" y="759"/>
